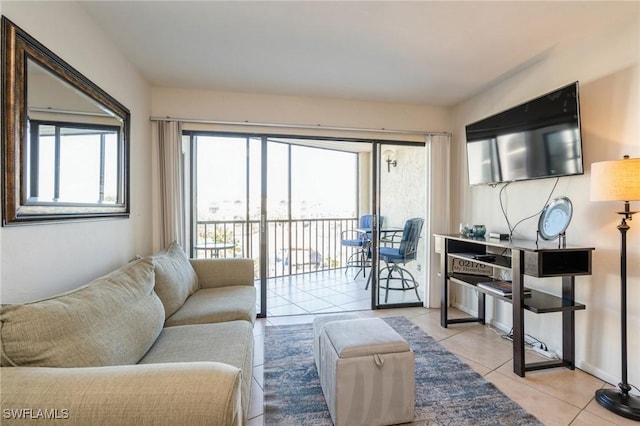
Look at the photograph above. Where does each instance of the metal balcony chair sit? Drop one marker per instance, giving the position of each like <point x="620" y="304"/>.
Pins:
<point x="360" y="239"/>
<point x="404" y="253"/>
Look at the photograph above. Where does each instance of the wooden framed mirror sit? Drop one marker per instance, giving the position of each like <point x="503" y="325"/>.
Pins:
<point x="65" y="141"/>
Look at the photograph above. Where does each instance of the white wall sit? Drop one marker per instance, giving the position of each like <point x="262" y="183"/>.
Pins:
<point x="41" y="260"/>
<point x="402" y="189"/>
<point x="263" y="108"/>
<point x="607" y="67"/>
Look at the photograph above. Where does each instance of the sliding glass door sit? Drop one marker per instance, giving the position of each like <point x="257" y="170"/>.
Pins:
<point x="282" y="202"/>
<point x="401" y="208"/>
<point x="286" y="203"/>
<point x="311" y="193"/>
<point x="311" y="197"/>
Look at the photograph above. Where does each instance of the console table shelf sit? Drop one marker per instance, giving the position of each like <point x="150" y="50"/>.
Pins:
<point x="521" y="258"/>
<point x="537" y="302"/>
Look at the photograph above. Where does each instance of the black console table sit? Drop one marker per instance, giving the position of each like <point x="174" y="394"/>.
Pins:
<point x="522" y="258"/>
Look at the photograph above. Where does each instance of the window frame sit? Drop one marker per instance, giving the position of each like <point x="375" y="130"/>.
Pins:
<point x="32" y="171"/>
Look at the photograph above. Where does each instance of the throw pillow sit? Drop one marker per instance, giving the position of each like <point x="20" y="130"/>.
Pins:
<point x="175" y="278"/>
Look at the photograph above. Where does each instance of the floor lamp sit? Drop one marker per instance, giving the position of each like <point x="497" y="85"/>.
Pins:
<point x="619" y="180"/>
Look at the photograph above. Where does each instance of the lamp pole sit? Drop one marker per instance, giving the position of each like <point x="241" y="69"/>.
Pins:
<point x="619" y="180"/>
<point x="623" y="228"/>
<point x="619" y="400"/>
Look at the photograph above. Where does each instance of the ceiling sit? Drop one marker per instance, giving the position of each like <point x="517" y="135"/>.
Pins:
<point x="418" y="52"/>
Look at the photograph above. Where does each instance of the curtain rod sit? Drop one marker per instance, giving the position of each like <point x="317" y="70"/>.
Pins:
<point x="298" y="126"/>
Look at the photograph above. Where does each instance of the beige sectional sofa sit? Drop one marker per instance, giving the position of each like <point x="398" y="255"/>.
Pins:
<point x="164" y="340"/>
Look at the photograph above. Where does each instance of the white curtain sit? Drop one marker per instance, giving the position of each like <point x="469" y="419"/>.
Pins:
<point x="437" y="149"/>
<point x="171" y="191"/>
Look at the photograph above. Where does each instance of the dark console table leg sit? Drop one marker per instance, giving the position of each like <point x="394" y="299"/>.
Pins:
<point x="517" y="262"/>
<point x="481" y="307"/>
<point x="444" y="297"/>
<point x="568" y="323"/>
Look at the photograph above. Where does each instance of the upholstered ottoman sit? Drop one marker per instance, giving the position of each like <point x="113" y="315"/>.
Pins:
<point x="366" y="373"/>
<point x="318" y="326"/>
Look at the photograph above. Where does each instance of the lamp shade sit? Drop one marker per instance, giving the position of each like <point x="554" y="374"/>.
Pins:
<point x="617" y="180"/>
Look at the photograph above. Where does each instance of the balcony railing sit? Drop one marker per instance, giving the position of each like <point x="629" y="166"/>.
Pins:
<point x="293" y="246"/>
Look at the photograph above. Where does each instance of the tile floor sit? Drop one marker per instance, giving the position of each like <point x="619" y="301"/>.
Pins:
<point x="335" y="290"/>
<point x="556" y="396"/>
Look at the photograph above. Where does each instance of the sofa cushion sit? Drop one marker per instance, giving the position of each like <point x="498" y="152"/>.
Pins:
<point x="113" y="320"/>
<point x="228" y="342"/>
<point x="211" y="305"/>
<point x="175" y="278"/>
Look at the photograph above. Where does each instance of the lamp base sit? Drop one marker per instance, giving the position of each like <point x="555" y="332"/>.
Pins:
<point x="624" y="405"/>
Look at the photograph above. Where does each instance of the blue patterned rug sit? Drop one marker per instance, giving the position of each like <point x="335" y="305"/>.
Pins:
<point x="448" y="392"/>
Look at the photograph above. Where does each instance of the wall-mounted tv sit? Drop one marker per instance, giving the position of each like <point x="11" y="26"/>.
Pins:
<point x="538" y="139"/>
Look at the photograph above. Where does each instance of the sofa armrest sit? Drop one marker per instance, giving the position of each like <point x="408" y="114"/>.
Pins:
<point x="214" y="273"/>
<point x="195" y="393"/>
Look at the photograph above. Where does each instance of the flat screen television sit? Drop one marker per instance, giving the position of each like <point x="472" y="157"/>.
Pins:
<point x="538" y="139"/>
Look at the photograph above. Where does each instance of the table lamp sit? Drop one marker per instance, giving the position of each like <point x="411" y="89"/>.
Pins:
<point x="619" y="180"/>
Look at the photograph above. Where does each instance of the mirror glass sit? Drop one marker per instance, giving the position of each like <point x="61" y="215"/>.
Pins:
<point x="65" y="141"/>
<point x="73" y="144"/>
